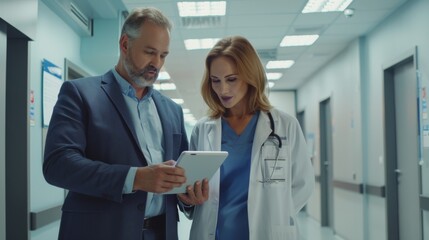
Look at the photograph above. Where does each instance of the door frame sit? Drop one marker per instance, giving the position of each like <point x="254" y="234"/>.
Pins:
<point x="391" y="160"/>
<point x="326" y="168"/>
<point x="17" y="135"/>
<point x="3" y="60"/>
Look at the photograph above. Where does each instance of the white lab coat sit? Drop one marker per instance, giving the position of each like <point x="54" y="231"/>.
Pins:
<point x="272" y="207"/>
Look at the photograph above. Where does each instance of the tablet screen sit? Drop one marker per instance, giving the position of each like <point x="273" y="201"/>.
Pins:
<point x="198" y="165"/>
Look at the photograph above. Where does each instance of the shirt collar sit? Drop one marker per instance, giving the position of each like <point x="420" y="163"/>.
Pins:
<point x="127" y="89"/>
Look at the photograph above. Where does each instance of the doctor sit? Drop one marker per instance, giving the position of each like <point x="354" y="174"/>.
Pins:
<point x="267" y="177"/>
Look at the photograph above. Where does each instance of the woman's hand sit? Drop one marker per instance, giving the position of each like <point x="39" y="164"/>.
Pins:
<point x="195" y="195"/>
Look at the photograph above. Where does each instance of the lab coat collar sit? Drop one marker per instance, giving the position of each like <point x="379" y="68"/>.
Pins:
<point x="263" y="130"/>
<point x="214" y="133"/>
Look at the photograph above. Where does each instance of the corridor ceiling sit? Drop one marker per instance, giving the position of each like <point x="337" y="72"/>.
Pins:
<point x="264" y="23"/>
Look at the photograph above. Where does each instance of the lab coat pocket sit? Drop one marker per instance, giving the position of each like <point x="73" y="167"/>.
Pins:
<point x="275" y="164"/>
<point x="275" y="170"/>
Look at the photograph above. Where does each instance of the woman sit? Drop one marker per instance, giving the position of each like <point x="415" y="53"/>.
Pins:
<point x="267" y="177"/>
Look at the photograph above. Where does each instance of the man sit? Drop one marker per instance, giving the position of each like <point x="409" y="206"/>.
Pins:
<point x="111" y="141"/>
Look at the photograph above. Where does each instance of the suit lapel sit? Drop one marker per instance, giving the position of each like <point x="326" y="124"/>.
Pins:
<point x="112" y="89"/>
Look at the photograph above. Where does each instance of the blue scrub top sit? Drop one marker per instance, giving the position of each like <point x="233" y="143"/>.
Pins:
<point x="234" y="181"/>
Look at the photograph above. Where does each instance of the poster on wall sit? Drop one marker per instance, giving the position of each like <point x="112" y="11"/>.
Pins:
<point x="51" y="82"/>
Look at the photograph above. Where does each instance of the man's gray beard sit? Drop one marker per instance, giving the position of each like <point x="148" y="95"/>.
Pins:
<point x="139" y="81"/>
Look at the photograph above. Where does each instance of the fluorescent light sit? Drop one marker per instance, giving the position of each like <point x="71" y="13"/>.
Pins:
<point x="326" y="6"/>
<point x="163" y="75"/>
<point x="198" y="9"/>
<point x="274" y="76"/>
<point x="164" y="86"/>
<point x="270" y="84"/>
<point x="178" y="100"/>
<point x="298" y="40"/>
<point x="205" y="43"/>
<point x="279" y="64"/>
<point x="186" y="110"/>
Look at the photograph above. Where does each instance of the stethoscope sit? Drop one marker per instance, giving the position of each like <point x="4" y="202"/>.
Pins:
<point x="273" y="137"/>
<point x="273" y="133"/>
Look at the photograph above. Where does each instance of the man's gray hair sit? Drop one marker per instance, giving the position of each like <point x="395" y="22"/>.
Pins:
<point x="139" y="16"/>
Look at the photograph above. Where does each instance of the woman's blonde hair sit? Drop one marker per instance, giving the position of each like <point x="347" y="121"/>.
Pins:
<point x="249" y="68"/>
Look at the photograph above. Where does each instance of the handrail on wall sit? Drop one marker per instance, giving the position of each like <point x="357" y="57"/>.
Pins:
<point x="45" y="217"/>
<point x="379" y="191"/>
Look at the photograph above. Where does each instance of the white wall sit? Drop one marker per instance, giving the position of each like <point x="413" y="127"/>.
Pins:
<point x="339" y="81"/>
<point x="391" y="40"/>
<point x="284" y="101"/>
<point x="354" y="81"/>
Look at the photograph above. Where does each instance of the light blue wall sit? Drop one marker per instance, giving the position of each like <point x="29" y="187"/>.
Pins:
<point x="354" y="81"/>
<point x="102" y="49"/>
<point x="54" y="41"/>
<point x="26" y="20"/>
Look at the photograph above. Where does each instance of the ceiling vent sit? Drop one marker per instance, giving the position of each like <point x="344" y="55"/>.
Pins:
<point x="268" y="54"/>
<point x="81" y="18"/>
<point x="202" y="22"/>
<point x="72" y="15"/>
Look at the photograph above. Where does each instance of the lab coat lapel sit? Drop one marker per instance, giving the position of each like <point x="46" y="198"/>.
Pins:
<point x="262" y="132"/>
<point x="214" y="134"/>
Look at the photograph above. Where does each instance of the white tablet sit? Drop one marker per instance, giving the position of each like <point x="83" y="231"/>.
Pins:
<point x="198" y="165"/>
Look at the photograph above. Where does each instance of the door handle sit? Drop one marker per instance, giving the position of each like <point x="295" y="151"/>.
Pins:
<point x="398" y="175"/>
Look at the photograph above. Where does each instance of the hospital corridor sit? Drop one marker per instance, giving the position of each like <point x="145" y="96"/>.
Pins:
<point x="351" y="78"/>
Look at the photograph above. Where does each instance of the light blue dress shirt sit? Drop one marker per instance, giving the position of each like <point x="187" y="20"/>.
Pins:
<point x="147" y="125"/>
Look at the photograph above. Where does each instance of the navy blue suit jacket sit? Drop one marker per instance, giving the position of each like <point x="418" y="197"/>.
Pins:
<point x="90" y="146"/>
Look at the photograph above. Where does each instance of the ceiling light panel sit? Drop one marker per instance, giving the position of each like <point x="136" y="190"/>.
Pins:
<point x="326" y="6"/>
<point x="163" y="75"/>
<point x="274" y="76"/>
<point x="198" y="9"/>
<point x="298" y="40"/>
<point x="205" y="43"/>
<point x="279" y="64"/>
